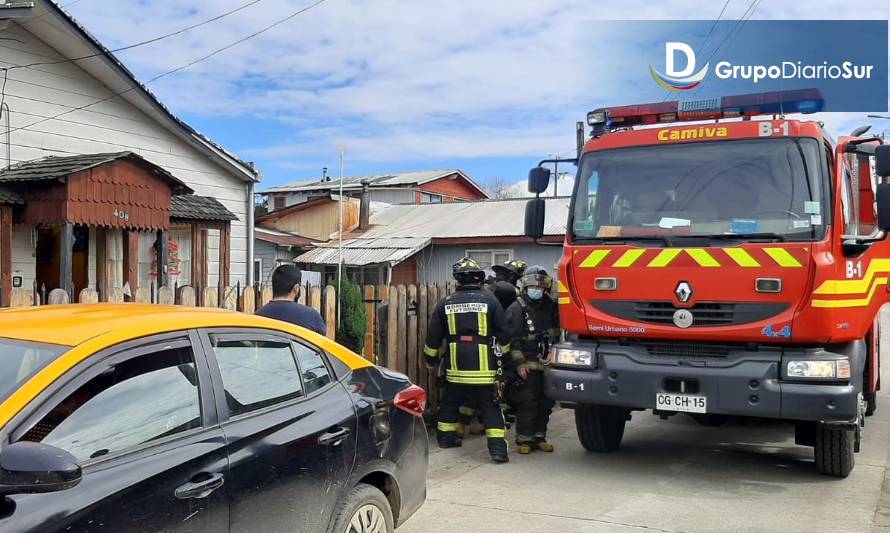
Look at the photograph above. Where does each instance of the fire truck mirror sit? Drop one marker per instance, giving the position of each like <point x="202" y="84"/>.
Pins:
<point x="883" y="201"/>
<point x="538" y="180"/>
<point x="882" y="160"/>
<point x="534" y="218"/>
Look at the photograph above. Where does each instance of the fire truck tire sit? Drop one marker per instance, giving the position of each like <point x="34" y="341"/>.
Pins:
<point x="834" y="451"/>
<point x="600" y="427"/>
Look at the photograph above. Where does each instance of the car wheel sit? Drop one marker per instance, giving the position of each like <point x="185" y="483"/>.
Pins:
<point x="834" y="451"/>
<point x="364" y="510"/>
<point x="600" y="427"/>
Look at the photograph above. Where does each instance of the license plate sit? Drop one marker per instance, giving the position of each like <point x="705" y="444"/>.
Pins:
<point x="687" y="403"/>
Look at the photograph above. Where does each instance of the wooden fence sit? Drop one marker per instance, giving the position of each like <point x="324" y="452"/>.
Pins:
<point x="397" y="315"/>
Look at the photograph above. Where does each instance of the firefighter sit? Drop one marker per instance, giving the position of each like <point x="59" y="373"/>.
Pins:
<point x="532" y="324"/>
<point x="504" y="286"/>
<point x="467" y="321"/>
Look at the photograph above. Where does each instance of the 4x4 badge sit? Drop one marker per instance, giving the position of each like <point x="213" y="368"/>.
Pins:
<point x="683" y="292"/>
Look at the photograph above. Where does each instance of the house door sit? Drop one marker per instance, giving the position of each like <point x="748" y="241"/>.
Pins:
<point x="49" y="254"/>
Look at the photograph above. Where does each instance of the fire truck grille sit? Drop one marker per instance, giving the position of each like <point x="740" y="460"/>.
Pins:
<point x="685" y="349"/>
<point x="704" y="314"/>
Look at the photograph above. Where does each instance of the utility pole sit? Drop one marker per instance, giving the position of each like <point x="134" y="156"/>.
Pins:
<point x="342" y="149"/>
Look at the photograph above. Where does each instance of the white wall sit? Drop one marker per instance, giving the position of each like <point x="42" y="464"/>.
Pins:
<point x="36" y="93"/>
<point x="24" y="250"/>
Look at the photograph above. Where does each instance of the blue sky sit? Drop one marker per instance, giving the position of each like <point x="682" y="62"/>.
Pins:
<point x="489" y="87"/>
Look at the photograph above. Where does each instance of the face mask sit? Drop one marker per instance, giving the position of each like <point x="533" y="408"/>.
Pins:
<point x="535" y="294"/>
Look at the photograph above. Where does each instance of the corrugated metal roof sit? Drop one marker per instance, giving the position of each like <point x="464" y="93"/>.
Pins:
<point x="283" y="238"/>
<point x="10" y="197"/>
<point x="361" y="252"/>
<point x="374" y="180"/>
<point x="194" y="207"/>
<point x="493" y="218"/>
<point x="53" y="167"/>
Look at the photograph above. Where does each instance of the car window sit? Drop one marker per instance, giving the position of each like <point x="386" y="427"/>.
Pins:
<point x="132" y="403"/>
<point x="21" y="360"/>
<point x="312" y="366"/>
<point x="256" y="373"/>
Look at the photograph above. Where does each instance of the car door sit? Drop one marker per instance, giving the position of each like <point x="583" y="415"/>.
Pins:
<point x="290" y="428"/>
<point x="141" y="420"/>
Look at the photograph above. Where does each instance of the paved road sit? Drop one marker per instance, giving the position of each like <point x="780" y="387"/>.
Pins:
<point x="670" y="476"/>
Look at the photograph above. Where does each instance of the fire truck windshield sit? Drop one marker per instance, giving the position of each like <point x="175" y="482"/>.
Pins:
<point x="707" y="189"/>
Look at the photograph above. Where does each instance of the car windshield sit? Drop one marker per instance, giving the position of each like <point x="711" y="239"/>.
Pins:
<point x="722" y="189"/>
<point x="21" y="360"/>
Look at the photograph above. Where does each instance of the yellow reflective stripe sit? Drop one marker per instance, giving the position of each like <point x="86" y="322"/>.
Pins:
<point x="741" y="257"/>
<point x="628" y="258"/>
<point x="505" y="348"/>
<point x="855" y="286"/>
<point x="483" y="357"/>
<point x="854" y="302"/>
<point x="564" y="300"/>
<point x="665" y="257"/>
<point x="453" y="348"/>
<point x="452" y="324"/>
<point x="472" y="373"/>
<point x="560" y="287"/>
<point x="432" y="352"/>
<point x="483" y="324"/>
<point x="702" y="257"/>
<point x="447" y="427"/>
<point x="494" y="433"/>
<point x="466" y="411"/>
<point x="470" y="380"/>
<point x="782" y="257"/>
<point x="595" y="258"/>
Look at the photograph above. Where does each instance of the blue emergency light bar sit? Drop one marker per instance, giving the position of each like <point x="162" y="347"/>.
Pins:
<point x="745" y="105"/>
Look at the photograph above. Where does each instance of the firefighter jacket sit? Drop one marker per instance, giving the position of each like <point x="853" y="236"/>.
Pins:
<point x="532" y="326"/>
<point x="467" y="321"/>
<point x="504" y="291"/>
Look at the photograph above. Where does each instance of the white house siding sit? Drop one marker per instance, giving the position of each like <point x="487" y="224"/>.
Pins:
<point x="36" y="93"/>
<point x="271" y="256"/>
<point x="24" y="263"/>
<point x="434" y="262"/>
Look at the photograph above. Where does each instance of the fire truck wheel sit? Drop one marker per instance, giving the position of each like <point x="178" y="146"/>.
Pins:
<point x="600" y="427"/>
<point x="834" y="451"/>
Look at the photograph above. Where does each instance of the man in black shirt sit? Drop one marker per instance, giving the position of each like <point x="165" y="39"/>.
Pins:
<point x="285" y="292"/>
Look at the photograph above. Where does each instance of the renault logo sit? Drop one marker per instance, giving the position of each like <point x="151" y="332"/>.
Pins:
<point x="683" y="292"/>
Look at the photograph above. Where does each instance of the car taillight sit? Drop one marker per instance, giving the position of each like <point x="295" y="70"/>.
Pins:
<point x="411" y="400"/>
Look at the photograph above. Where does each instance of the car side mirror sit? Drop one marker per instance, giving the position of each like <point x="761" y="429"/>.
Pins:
<point x="882" y="160"/>
<point x="883" y="201"/>
<point x="538" y="180"/>
<point x="534" y="218"/>
<point x="33" y="468"/>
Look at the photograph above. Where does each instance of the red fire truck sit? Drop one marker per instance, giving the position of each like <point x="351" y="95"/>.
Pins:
<point x="722" y="260"/>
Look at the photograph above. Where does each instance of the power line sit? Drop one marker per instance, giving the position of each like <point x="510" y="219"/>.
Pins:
<point x="178" y="69"/>
<point x="27" y="22"/>
<point x="142" y="43"/>
<point x="705" y="41"/>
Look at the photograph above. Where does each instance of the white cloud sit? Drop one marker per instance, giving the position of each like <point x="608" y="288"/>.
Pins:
<point x="400" y="80"/>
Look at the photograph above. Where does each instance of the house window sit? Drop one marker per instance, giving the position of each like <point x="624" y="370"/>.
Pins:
<point x="489" y="258"/>
<point x="279" y="202"/>
<point x="429" y="198"/>
<point x="258" y="270"/>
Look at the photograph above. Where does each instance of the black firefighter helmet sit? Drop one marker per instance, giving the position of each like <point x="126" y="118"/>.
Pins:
<point x="510" y="271"/>
<point x="468" y="272"/>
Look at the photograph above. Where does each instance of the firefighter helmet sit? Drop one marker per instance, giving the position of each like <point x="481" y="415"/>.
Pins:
<point x="468" y="272"/>
<point x="535" y="276"/>
<point x="513" y="268"/>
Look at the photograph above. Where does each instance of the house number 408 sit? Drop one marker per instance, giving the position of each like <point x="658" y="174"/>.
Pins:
<point x="123" y="215"/>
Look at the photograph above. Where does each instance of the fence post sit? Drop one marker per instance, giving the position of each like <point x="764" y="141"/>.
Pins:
<point x="330" y="311"/>
<point x="230" y="298"/>
<point x="21" y="298"/>
<point x="210" y="298"/>
<point x="57" y="297"/>
<point x="315" y="298"/>
<point x="392" y="329"/>
<point x="402" y="365"/>
<point x="411" y="312"/>
<point x="371" y="320"/>
<point x="265" y="296"/>
<point x="187" y="296"/>
<point x="248" y="301"/>
<point x="166" y="296"/>
<point x="115" y="295"/>
<point x="423" y="319"/>
<point x="143" y="295"/>
<point x="88" y="296"/>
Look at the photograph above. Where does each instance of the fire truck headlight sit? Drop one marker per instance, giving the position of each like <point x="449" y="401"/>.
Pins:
<point x="596" y="117"/>
<point x="827" y="370"/>
<point x="571" y="356"/>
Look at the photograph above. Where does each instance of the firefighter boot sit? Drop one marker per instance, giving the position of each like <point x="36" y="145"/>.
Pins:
<point x="524" y="448"/>
<point x="542" y="444"/>
<point x="449" y="440"/>
<point x="498" y="451"/>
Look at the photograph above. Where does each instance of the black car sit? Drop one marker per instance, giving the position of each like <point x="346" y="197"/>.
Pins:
<point x="126" y="418"/>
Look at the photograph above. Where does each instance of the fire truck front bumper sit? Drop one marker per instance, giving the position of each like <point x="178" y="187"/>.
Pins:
<point x="696" y="378"/>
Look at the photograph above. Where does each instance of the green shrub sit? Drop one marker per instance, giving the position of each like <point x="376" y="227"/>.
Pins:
<point x="353" y="321"/>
